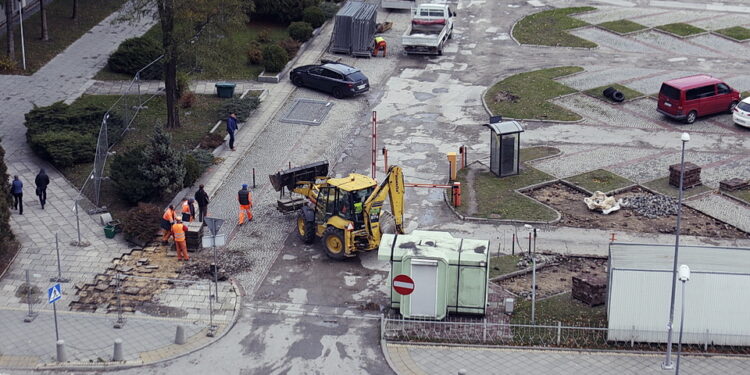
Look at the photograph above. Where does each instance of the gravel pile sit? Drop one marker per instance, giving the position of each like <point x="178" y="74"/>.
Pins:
<point x="651" y="206"/>
<point x="230" y="262"/>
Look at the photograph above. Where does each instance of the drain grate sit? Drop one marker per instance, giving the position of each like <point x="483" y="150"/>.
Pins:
<point x="307" y="112"/>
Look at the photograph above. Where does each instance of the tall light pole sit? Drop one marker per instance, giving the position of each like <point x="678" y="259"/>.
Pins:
<point x="668" y="365"/>
<point x="684" y="277"/>
<point x="21" y="4"/>
<point x="533" y="273"/>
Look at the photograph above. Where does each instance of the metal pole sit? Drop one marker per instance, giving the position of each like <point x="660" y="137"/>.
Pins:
<point x="374" y="141"/>
<point x="78" y="224"/>
<point x="533" y="281"/>
<point x="668" y="360"/>
<point x="682" y="323"/>
<point x="211" y="328"/>
<point x="57" y="250"/>
<point x="54" y="312"/>
<point x="31" y="315"/>
<point x="120" y="320"/>
<point x="216" y="269"/>
<point x="253" y="178"/>
<point x="20" y="20"/>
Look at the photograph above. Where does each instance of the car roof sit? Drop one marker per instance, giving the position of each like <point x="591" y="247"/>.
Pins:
<point x="692" y="81"/>
<point x="341" y="68"/>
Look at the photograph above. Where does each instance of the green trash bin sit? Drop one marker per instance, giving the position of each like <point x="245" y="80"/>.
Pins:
<point x="225" y="89"/>
<point x="109" y="231"/>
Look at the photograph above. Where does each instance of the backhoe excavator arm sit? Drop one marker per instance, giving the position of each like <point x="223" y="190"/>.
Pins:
<point x="393" y="187"/>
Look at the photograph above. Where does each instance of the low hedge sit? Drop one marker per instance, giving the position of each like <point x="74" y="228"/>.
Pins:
<point x="134" y="54"/>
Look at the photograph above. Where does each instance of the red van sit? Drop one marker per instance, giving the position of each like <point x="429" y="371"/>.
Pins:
<point x="699" y="95"/>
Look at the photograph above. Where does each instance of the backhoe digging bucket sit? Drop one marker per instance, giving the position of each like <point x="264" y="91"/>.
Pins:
<point x="290" y="177"/>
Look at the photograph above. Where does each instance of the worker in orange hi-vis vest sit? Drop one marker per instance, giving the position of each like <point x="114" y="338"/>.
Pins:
<point x="166" y="224"/>
<point x="186" y="211"/>
<point x="245" y="198"/>
<point x="178" y="230"/>
<point x="380" y="45"/>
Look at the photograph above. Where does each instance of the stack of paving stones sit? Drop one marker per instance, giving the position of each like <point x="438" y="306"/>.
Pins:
<point x="591" y="290"/>
<point x="194" y="235"/>
<point x="734" y="184"/>
<point x="651" y="206"/>
<point x="692" y="175"/>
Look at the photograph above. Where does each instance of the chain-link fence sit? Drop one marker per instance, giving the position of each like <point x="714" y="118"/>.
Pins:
<point x="479" y="331"/>
<point x="150" y="315"/>
<point x="118" y="119"/>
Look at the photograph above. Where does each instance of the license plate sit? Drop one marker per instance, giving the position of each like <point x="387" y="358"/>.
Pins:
<point x="361" y="86"/>
<point x="667" y="104"/>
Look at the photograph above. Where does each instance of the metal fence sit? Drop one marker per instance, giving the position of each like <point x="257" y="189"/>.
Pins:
<point x="481" y="332"/>
<point x="118" y="119"/>
<point x="146" y="313"/>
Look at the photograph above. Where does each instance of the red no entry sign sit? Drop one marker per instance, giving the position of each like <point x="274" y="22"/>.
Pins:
<point x="403" y="285"/>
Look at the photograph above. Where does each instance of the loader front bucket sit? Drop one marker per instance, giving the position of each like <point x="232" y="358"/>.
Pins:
<point x="290" y="177"/>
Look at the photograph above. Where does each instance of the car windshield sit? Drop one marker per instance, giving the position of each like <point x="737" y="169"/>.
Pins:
<point x="356" y="77"/>
<point x="670" y="92"/>
<point x="745" y="106"/>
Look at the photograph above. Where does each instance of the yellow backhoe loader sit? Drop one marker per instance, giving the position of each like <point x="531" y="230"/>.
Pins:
<point x="344" y="212"/>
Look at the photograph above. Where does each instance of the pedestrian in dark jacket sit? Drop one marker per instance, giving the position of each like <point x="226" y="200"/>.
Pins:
<point x="191" y="204"/>
<point x="41" y="181"/>
<point x="231" y="128"/>
<point x="17" y="190"/>
<point x="201" y="197"/>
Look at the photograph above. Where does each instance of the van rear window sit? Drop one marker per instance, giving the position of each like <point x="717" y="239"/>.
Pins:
<point x="670" y="92"/>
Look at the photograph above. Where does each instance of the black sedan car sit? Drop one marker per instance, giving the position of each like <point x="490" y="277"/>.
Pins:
<point x="338" y="79"/>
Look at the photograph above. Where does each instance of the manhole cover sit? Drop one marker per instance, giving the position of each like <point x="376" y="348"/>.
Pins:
<point x="307" y="111"/>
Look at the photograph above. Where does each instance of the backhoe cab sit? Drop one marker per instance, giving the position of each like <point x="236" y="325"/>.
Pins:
<point x="344" y="212"/>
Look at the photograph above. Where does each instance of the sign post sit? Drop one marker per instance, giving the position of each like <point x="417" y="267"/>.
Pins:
<point x="403" y="285"/>
<point x="214" y="224"/>
<point x="54" y="293"/>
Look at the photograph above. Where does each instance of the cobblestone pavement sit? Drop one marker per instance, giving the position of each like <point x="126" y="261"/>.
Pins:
<point x="440" y="360"/>
<point x="155" y="87"/>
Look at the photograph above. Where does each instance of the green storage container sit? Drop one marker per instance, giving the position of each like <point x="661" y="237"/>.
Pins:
<point x="449" y="275"/>
<point x="225" y="89"/>
<point x="109" y="231"/>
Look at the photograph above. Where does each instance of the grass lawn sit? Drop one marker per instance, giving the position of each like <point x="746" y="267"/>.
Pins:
<point x="526" y="95"/>
<point x="737" y="32"/>
<point x="496" y="198"/>
<point x="599" y="180"/>
<point x="681" y="29"/>
<point x="62" y="30"/>
<point x="561" y="308"/>
<point x="196" y="122"/>
<point x="503" y="265"/>
<point x="622" y="26"/>
<point x="599" y="92"/>
<point x="533" y="153"/>
<point x="744" y="94"/>
<point x="548" y="28"/>
<point x="216" y="58"/>
<point x="741" y="194"/>
<point x="662" y="185"/>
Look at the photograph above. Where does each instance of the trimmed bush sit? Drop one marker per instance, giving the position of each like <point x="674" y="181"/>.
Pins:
<point x="284" y="11"/>
<point x="264" y="36"/>
<point x="8" y="245"/>
<point x="242" y="107"/>
<point x="274" y="58"/>
<point x="135" y="53"/>
<point x="329" y="9"/>
<point x="65" y="135"/>
<point x="300" y="31"/>
<point x="254" y="55"/>
<point x="290" y="45"/>
<point x="163" y="166"/>
<point x="142" y="222"/>
<point x="192" y="170"/>
<point x="7" y="65"/>
<point x="125" y="172"/>
<point x="314" y="16"/>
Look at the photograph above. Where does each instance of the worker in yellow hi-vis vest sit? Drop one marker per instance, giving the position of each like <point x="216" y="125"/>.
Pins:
<point x="379" y="46"/>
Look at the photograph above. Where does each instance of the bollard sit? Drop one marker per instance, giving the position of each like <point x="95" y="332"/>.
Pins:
<point x="179" y="337"/>
<point x="117" y="355"/>
<point x="462" y="372"/>
<point x="253" y="178"/>
<point x="456" y="194"/>
<point x="61" y="357"/>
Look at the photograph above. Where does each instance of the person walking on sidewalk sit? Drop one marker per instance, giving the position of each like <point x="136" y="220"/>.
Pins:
<point x="231" y="128"/>
<point x="185" y="210"/>
<point x="191" y="204"/>
<point x="245" y="198"/>
<point x="41" y="181"/>
<point x="16" y="189"/>
<point x="166" y="224"/>
<point x="202" y="198"/>
<point x="178" y="231"/>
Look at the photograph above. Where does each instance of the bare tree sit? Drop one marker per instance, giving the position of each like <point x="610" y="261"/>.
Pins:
<point x="43" y="13"/>
<point x="10" y="48"/>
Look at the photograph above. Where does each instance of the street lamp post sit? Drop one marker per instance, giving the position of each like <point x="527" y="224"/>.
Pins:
<point x="533" y="273"/>
<point x="21" y="5"/>
<point x="684" y="277"/>
<point x="668" y="365"/>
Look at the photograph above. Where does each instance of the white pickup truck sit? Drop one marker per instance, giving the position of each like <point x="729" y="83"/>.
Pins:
<point x="431" y="26"/>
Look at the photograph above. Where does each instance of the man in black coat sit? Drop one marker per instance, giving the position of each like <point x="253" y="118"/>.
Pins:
<point x="202" y="198"/>
<point x="41" y="181"/>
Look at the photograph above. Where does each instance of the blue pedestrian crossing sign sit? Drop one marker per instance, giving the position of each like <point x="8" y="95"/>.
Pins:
<point x="54" y="293"/>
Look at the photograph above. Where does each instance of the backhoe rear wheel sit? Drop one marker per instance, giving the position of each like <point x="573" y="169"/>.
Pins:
<point x="305" y="229"/>
<point x="333" y="240"/>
